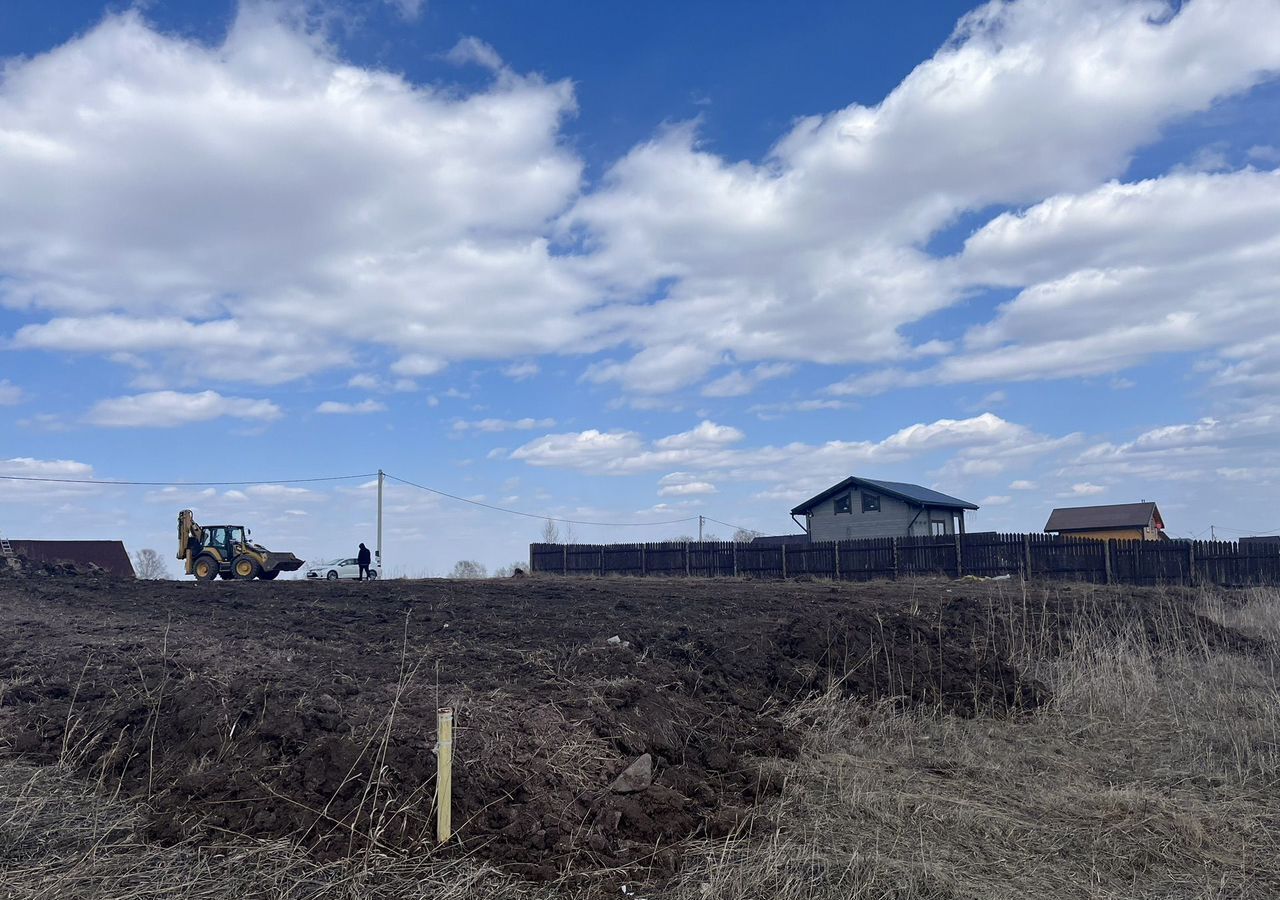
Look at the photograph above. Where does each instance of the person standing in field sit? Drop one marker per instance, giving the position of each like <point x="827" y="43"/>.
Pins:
<point x="362" y="560"/>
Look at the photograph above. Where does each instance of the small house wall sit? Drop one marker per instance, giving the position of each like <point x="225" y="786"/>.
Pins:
<point x="896" y="518"/>
<point x="1116" y="534"/>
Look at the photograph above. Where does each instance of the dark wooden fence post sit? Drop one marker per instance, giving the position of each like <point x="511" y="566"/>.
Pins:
<point x="1107" y="565"/>
<point x="837" y="552"/>
<point x="602" y="560"/>
<point x="1191" y="562"/>
<point x="735" y="559"/>
<point x="564" y="566"/>
<point x="895" y="558"/>
<point x="644" y="551"/>
<point x="686" y="559"/>
<point x="959" y="558"/>
<point x="784" y="561"/>
<point x="1026" y="554"/>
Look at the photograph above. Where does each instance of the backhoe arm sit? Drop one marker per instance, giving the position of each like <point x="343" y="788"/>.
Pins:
<point x="190" y="537"/>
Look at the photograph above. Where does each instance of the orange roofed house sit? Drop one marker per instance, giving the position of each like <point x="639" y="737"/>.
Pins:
<point x="1119" y="522"/>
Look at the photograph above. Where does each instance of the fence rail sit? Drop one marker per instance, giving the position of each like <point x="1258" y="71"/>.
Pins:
<point x="990" y="554"/>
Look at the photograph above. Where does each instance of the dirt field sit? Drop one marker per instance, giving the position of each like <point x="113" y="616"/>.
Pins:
<point x="305" y="712"/>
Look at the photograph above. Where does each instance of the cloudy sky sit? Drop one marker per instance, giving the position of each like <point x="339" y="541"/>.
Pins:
<point x="633" y="266"/>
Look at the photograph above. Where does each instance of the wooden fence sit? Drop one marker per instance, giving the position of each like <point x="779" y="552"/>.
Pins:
<point x="1021" y="555"/>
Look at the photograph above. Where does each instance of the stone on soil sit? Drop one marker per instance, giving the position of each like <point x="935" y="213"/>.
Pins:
<point x="635" y="777"/>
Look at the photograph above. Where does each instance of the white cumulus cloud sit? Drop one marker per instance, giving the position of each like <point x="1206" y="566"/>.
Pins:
<point x="23" y="467"/>
<point x="710" y="453"/>
<point x="343" y="206"/>
<point x="497" y="425"/>
<point x="168" y="409"/>
<point x="705" y="434"/>
<point x="1086" y="489"/>
<point x="688" y="489"/>
<point x="263" y="203"/>
<point x="338" y="408"/>
<point x="813" y="255"/>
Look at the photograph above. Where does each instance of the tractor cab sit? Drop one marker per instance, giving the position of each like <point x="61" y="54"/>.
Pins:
<point x="225" y="541"/>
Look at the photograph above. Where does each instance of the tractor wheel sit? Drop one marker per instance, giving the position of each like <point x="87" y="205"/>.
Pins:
<point x="205" y="568"/>
<point x="246" y="567"/>
<point x="269" y="576"/>
<point x="332" y="576"/>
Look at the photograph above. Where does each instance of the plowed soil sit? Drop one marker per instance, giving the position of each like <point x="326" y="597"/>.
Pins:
<point x="308" y="710"/>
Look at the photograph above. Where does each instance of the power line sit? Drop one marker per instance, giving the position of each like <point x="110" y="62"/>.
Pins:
<point x="727" y="524"/>
<point x="1244" y="532"/>
<point x="527" y="515"/>
<point x="422" y="487"/>
<point x="182" y="483"/>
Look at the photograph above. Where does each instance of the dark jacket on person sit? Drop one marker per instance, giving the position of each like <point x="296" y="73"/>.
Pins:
<point x="364" y="556"/>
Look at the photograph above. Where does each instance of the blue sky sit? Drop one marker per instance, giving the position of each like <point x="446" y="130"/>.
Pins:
<point x="633" y="265"/>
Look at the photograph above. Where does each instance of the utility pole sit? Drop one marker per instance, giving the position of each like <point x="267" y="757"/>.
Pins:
<point x="381" y="567"/>
<point x="701" y="519"/>
<point x="1212" y="535"/>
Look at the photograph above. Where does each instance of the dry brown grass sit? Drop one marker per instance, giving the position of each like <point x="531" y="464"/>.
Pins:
<point x="61" y="840"/>
<point x="1153" y="772"/>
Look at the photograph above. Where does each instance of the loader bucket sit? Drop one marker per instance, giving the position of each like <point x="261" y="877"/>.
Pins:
<point x="282" y="562"/>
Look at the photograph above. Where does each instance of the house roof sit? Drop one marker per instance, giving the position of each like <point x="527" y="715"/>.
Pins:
<point x="108" y="555"/>
<point x="911" y="493"/>
<point x="1117" y="515"/>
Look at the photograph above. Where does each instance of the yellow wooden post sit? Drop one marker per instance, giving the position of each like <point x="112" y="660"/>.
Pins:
<point x="444" y="774"/>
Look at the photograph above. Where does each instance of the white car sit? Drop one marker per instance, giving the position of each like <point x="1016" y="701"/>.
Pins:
<point x="339" y="568"/>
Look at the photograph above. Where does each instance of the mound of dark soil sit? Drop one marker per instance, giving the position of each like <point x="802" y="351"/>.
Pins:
<point x="1059" y="616"/>
<point x="19" y="566"/>
<point x="306" y="710"/>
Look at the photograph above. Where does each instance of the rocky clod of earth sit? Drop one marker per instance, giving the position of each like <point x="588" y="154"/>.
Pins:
<point x="635" y="777"/>
<point x="20" y="566"/>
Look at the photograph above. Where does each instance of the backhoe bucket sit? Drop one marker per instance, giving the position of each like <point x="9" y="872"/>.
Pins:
<point x="282" y="562"/>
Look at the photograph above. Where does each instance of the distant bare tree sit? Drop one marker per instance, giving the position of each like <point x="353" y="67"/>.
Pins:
<point x="550" y="533"/>
<point x="148" y="565"/>
<point x="745" y="536"/>
<point x="508" y="571"/>
<point x="468" y="568"/>
<point x="707" y="537"/>
<point x="569" y="536"/>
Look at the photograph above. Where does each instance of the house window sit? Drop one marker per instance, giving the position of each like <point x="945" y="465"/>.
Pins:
<point x="939" y="528"/>
<point x="870" y="503"/>
<point x="844" y="504"/>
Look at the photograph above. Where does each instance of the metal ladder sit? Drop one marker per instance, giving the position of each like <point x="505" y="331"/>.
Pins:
<point x="7" y="554"/>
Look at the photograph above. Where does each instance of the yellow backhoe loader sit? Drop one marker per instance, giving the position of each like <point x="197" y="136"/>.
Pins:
<point x="213" y="550"/>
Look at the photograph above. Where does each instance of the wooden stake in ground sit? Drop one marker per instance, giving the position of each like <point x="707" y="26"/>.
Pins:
<point x="444" y="774"/>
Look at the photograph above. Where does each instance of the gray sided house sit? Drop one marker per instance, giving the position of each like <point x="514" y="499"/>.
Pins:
<point x="862" y="508"/>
